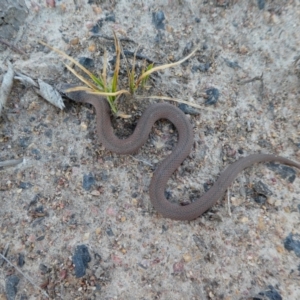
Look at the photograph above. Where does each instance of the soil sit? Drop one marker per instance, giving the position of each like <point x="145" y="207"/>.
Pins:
<point x="70" y="191"/>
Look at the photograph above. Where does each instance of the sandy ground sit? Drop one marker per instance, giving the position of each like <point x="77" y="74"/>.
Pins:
<point x="234" y="251"/>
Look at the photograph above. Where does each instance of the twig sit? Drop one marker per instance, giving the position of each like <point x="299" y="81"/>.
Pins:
<point x="260" y="78"/>
<point x="111" y="38"/>
<point x="6" y="85"/>
<point x="10" y="163"/>
<point x="12" y="46"/>
<point x="27" y="277"/>
<point x="4" y="253"/>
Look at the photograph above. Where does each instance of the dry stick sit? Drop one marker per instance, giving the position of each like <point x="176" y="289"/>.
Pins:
<point x="10" y="163"/>
<point x="111" y="38"/>
<point x="28" y="278"/>
<point x="12" y="46"/>
<point x="6" y="85"/>
<point x="4" y="253"/>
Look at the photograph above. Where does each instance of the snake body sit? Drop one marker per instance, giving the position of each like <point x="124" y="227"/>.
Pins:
<point x="166" y="168"/>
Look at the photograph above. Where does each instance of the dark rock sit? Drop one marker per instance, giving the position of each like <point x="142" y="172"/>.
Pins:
<point x="25" y="185"/>
<point x="24" y="142"/>
<point x="110" y="17"/>
<point x="104" y="175"/>
<point x="44" y="269"/>
<point x="158" y="20"/>
<point x="21" y="260"/>
<point x="197" y="20"/>
<point x="86" y="62"/>
<point x="11" y="283"/>
<point x="261" y="192"/>
<point x="188" y="109"/>
<point x="36" y="153"/>
<point x="264" y="143"/>
<point x="96" y="28"/>
<point x="40" y="238"/>
<point x="262" y="188"/>
<point x="203" y="67"/>
<point x="213" y="96"/>
<point x="109" y="231"/>
<point x="12" y="15"/>
<point x="285" y="172"/>
<point x="271" y="294"/>
<point x="260" y="199"/>
<point x="292" y="244"/>
<point x="261" y="4"/>
<point x="232" y="64"/>
<point x="48" y="133"/>
<point x="80" y="259"/>
<point x="88" y="181"/>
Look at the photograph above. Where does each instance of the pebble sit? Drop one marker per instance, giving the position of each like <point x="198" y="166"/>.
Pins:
<point x="270" y="294"/>
<point x="187" y="257"/>
<point x="261" y="4"/>
<point x="80" y="259"/>
<point x="212" y="96"/>
<point x="88" y="181"/>
<point x="262" y="192"/>
<point x="11" y="283"/>
<point x="188" y="109"/>
<point x="86" y="62"/>
<point x="285" y="172"/>
<point x="158" y="20"/>
<point x="292" y="243"/>
<point x="25" y="185"/>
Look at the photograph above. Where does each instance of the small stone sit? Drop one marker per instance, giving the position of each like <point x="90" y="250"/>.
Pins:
<point x="74" y="41"/>
<point x="243" y="49"/>
<point x="88" y="181"/>
<point x="261" y="4"/>
<point x="292" y="243"/>
<point x="11" y="283"/>
<point x="87" y="62"/>
<point x="92" y="48"/>
<point x="212" y="96"/>
<point x="187" y="257"/>
<point x="244" y="220"/>
<point x="110" y="17"/>
<point x="98" y="231"/>
<point x="188" y="109"/>
<point x="80" y="259"/>
<point x="158" y="19"/>
<point x="95" y="193"/>
<point x="86" y="236"/>
<point x="83" y="126"/>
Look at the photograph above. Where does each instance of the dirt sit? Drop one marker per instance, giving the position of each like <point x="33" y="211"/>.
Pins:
<point x="237" y="250"/>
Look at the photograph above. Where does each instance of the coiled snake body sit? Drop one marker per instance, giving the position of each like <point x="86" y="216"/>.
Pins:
<point x="165" y="169"/>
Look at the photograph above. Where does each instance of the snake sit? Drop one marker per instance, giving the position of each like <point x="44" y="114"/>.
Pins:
<point x="170" y="163"/>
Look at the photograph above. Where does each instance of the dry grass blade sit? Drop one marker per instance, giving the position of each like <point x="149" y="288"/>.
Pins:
<point x="179" y="101"/>
<point x="104" y="69"/>
<point x="114" y="85"/>
<point x="164" y="67"/>
<point x="108" y="94"/>
<point x="95" y="92"/>
<point x="88" y="83"/>
<point x="69" y="58"/>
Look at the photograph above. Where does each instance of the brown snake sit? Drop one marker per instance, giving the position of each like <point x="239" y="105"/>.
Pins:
<point x="165" y="169"/>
